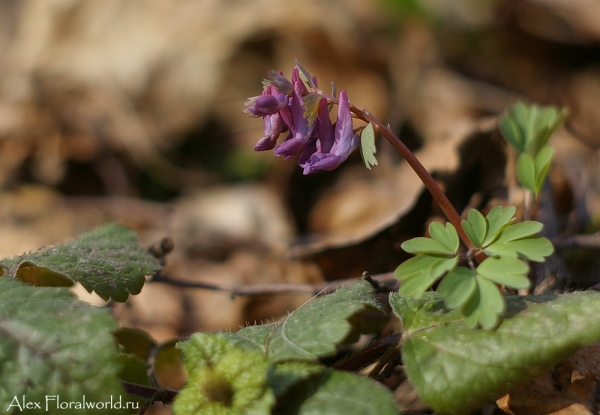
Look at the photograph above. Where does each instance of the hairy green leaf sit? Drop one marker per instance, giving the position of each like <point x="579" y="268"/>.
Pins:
<point x="52" y="344"/>
<point x="107" y="260"/>
<point x="224" y="378"/>
<point x="419" y="273"/>
<point x="367" y="146"/>
<point x="508" y="271"/>
<point x="475" y="227"/>
<point x="457" y="287"/>
<point x="457" y="369"/>
<point x="319" y="326"/>
<point x="497" y="219"/>
<point x="337" y="393"/>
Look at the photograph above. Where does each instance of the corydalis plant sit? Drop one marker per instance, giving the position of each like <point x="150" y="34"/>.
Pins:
<point x="301" y="110"/>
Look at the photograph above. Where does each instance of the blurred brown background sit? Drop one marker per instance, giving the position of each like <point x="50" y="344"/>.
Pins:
<point x="114" y="110"/>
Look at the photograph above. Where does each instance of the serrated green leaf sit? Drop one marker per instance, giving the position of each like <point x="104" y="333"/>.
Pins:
<point x="457" y="287"/>
<point x="107" y="260"/>
<point x="526" y="172"/>
<point x="542" y="162"/>
<point x="485" y="306"/>
<point x="224" y="378"/>
<point x="338" y="393"/>
<point x="52" y="344"/>
<point x="446" y="235"/>
<point x="318" y="327"/>
<point x="475" y="227"/>
<point x="456" y="369"/>
<point x="497" y="219"/>
<point x="367" y="146"/>
<point x="419" y="273"/>
<point x="508" y="271"/>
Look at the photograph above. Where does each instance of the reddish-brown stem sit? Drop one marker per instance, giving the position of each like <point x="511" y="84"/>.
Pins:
<point x="423" y="174"/>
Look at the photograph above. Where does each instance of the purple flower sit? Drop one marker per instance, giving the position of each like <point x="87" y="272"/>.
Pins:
<point x="270" y="102"/>
<point x="329" y="156"/>
<point x="303" y="112"/>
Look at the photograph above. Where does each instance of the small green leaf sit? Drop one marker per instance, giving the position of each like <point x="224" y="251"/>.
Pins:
<point x="422" y="245"/>
<point x="224" y="378"/>
<point x="367" y="146"/>
<point x="533" y="248"/>
<point x="497" y="219"/>
<point x="337" y="393"/>
<point x="512" y="133"/>
<point x="457" y="287"/>
<point x="520" y="230"/>
<point x="419" y="273"/>
<point x="475" y="227"/>
<point x="52" y="344"/>
<point x="542" y="162"/>
<point x="456" y="369"/>
<point x="108" y="260"/>
<point x="447" y="236"/>
<point x="508" y="271"/>
<point x="485" y="306"/>
<point x="526" y="172"/>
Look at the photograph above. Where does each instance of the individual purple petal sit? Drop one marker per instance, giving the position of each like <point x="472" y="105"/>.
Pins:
<point x="269" y="103"/>
<point x="309" y="148"/>
<point x="274" y="126"/>
<point x="343" y="132"/>
<point x="324" y="128"/>
<point x="290" y="147"/>
<point x="328" y="161"/>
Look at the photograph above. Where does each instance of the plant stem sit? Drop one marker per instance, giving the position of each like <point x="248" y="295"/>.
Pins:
<point x="423" y="174"/>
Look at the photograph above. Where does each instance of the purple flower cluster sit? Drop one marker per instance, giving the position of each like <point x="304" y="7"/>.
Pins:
<point x="303" y="113"/>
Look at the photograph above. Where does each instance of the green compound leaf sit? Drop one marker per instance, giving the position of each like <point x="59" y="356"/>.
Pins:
<point x="485" y="307"/>
<point x="224" y="378"/>
<point x="52" y="344"/>
<point x="508" y="271"/>
<point x="475" y="227"/>
<point x="419" y="273"/>
<point x="318" y="327"/>
<point x="456" y="369"/>
<point x="497" y="220"/>
<point x="519" y="240"/>
<point x="337" y="393"/>
<point x="458" y="287"/>
<point x="107" y="260"/>
<point x="443" y="241"/>
<point x="367" y="146"/>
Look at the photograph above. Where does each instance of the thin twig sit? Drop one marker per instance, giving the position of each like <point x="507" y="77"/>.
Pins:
<point x="275" y="288"/>
<point x="157" y="394"/>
